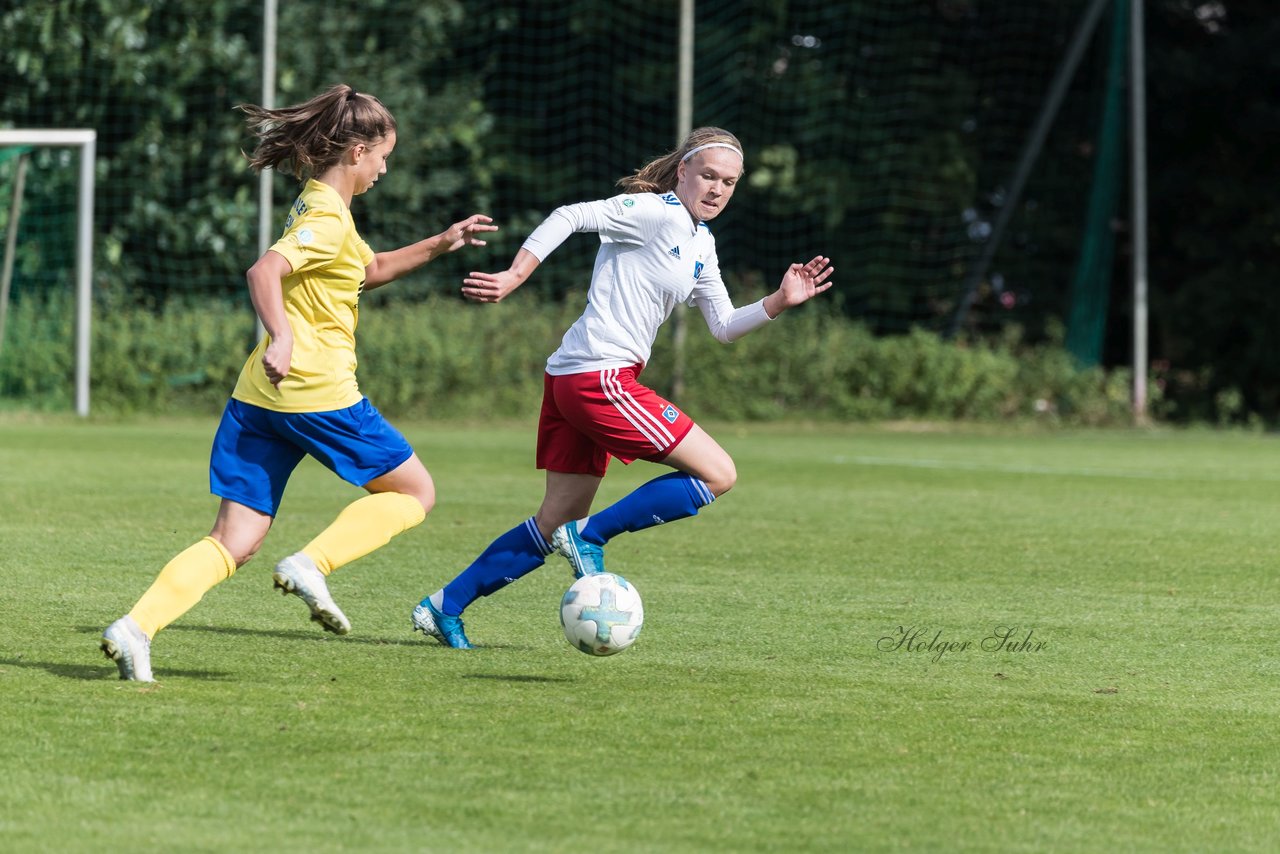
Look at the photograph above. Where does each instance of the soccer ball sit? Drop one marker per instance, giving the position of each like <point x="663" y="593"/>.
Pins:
<point x="601" y="614"/>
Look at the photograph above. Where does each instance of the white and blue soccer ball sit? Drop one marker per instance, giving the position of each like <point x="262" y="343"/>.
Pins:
<point x="601" y="614"/>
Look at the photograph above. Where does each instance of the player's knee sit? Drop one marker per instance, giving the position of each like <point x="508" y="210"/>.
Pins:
<point x="723" y="477"/>
<point x="241" y="551"/>
<point x="552" y="515"/>
<point x="427" y="498"/>
<point x="423" y="491"/>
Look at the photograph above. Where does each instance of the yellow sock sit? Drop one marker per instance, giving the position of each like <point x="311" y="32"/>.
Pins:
<point x="181" y="584"/>
<point x="363" y="526"/>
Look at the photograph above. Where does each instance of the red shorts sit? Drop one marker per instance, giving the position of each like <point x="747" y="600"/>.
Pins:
<point x="588" y="418"/>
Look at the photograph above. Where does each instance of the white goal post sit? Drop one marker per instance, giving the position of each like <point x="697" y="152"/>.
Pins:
<point x="86" y="142"/>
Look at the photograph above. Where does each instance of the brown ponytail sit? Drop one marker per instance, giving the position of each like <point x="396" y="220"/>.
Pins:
<point x="310" y="137"/>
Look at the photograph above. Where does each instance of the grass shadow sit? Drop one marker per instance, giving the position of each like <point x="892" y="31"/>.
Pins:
<point x="498" y="677"/>
<point x="282" y="634"/>
<point x="97" y="672"/>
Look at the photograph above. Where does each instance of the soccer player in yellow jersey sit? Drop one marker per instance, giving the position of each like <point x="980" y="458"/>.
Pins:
<point x="297" y="393"/>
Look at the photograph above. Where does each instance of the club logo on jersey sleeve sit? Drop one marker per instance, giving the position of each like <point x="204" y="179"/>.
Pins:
<point x="671" y="414"/>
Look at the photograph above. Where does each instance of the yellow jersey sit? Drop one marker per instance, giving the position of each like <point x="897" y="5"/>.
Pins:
<point x="321" y="302"/>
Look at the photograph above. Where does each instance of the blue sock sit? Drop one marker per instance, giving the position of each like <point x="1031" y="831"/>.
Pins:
<point x="513" y="555"/>
<point x="664" y="499"/>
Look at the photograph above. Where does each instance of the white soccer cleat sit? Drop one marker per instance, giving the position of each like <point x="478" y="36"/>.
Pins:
<point x="297" y="574"/>
<point x="130" y="648"/>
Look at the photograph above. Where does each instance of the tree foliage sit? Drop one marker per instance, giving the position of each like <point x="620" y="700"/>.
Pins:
<point x="1213" y="122"/>
<point x="170" y="178"/>
<point x="160" y="82"/>
<point x="499" y="111"/>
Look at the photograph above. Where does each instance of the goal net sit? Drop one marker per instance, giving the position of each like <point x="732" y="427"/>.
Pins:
<point x="882" y="133"/>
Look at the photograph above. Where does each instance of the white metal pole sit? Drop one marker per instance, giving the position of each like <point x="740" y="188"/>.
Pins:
<point x="84" y="272"/>
<point x="268" y="101"/>
<point x="1138" y="120"/>
<point x="684" y="124"/>
<point x="11" y="241"/>
<point x="684" y="84"/>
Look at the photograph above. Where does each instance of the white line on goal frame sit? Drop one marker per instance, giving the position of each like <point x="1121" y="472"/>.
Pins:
<point x="86" y="141"/>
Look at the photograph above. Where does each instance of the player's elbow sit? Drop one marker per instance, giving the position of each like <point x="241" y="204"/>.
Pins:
<point x="257" y="275"/>
<point x="721" y="333"/>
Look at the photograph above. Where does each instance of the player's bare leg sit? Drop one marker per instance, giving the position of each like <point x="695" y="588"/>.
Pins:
<point x="702" y="457"/>
<point x="568" y="500"/>
<point x="238" y="532"/>
<point x="397" y="501"/>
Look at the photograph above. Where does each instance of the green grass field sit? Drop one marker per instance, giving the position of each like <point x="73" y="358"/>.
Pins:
<point x="768" y="706"/>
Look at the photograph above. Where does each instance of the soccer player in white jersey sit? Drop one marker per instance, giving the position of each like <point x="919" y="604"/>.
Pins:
<point x="656" y="251"/>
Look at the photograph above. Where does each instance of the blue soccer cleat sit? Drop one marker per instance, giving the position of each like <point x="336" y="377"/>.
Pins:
<point x="585" y="558"/>
<point x="442" y="627"/>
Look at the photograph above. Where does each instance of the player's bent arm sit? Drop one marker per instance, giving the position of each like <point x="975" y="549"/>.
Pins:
<point x="621" y="219"/>
<point x="550" y="233"/>
<point x="613" y="219"/>
<point x="801" y="283"/>
<point x="728" y="324"/>
<point x="266" y="291"/>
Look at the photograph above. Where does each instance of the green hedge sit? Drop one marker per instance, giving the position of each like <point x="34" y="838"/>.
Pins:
<point x="444" y="358"/>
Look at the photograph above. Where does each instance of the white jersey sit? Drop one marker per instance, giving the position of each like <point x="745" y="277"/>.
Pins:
<point x="652" y="256"/>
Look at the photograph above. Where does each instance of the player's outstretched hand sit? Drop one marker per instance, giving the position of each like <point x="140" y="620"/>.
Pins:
<point x="466" y="232"/>
<point x="489" y="287"/>
<point x="801" y="283"/>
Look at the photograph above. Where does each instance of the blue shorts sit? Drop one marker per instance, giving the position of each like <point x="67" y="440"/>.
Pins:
<point x="255" y="449"/>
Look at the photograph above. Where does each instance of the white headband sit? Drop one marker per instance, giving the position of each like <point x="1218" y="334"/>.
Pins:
<point x="694" y="151"/>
